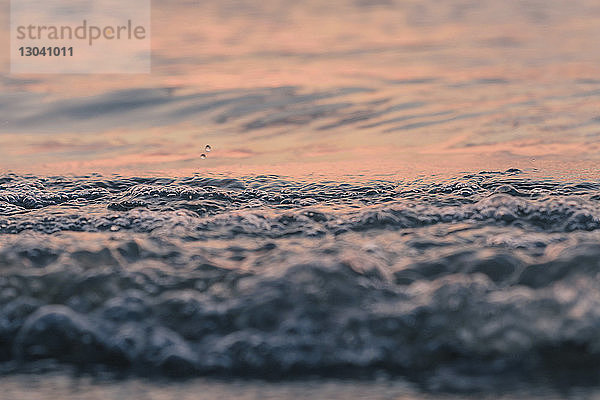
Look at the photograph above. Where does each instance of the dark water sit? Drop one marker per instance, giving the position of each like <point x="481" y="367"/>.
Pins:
<point x="340" y="228"/>
<point x="454" y="284"/>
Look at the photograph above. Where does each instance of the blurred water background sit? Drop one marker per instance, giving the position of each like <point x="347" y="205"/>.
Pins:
<point x="399" y="194"/>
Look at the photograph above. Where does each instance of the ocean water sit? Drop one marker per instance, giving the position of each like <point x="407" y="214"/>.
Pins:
<point x="479" y="280"/>
<point x="343" y="199"/>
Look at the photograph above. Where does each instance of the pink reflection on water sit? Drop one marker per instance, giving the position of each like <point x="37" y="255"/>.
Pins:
<point x="495" y="82"/>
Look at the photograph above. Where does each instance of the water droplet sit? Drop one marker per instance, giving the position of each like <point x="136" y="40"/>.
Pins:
<point x="203" y="156"/>
<point x="208" y="148"/>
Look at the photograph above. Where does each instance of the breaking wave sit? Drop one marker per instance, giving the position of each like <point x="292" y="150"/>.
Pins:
<point x="486" y="275"/>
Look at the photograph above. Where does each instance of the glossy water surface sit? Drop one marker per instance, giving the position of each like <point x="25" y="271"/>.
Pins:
<point x="398" y="189"/>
